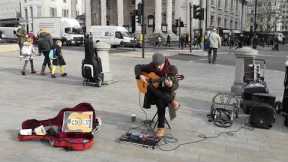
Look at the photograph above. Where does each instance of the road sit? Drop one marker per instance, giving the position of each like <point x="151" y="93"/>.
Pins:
<point x="274" y="59"/>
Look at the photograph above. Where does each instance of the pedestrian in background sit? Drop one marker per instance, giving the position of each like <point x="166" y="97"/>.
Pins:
<point x="45" y="44"/>
<point x="168" y="40"/>
<point x="214" y="43"/>
<point x="21" y="37"/>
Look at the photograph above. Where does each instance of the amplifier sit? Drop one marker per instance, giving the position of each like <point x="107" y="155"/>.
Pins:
<point x="264" y="98"/>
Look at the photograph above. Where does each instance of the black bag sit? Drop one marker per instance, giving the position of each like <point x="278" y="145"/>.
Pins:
<point x="264" y="98"/>
<point x="253" y="87"/>
<point x="262" y="116"/>
<point x="91" y="65"/>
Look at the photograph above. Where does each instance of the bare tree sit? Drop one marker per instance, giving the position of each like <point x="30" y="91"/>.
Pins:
<point x="268" y="15"/>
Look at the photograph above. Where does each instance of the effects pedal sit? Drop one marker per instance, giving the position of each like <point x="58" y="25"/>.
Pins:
<point x="145" y="138"/>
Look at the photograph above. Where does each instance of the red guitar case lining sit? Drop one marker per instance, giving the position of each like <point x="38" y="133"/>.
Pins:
<point x="69" y="140"/>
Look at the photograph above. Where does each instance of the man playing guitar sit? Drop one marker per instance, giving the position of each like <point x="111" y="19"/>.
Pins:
<point x="160" y="92"/>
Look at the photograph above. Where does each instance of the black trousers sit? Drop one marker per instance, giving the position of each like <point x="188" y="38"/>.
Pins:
<point x="46" y="60"/>
<point x="214" y="55"/>
<point x="159" y="98"/>
<point x="25" y="65"/>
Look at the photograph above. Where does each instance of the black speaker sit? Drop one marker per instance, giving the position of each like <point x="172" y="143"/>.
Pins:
<point x="262" y="116"/>
<point x="264" y="98"/>
<point x="253" y="88"/>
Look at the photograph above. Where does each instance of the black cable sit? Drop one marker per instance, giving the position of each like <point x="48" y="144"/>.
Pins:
<point x="202" y="137"/>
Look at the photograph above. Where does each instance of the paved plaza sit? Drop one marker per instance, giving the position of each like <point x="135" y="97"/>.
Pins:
<point x="41" y="97"/>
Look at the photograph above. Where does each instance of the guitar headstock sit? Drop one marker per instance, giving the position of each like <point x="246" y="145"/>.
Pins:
<point x="180" y="77"/>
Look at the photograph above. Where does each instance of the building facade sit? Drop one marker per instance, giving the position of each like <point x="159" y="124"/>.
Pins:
<point x="227" y="14"/>
<point x="271" y="15"/>
<point x="51" y="8"/>
<point x="161" y="15"/>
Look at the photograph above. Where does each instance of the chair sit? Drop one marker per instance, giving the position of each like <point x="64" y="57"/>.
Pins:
<point x="156" y="116"/>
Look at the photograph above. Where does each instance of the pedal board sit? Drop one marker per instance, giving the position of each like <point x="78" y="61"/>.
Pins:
<point x="144" y="138"/>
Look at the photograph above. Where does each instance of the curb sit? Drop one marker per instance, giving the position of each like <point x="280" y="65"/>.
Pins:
<point x="8" y="48"/>
<point x="199" y="53"/>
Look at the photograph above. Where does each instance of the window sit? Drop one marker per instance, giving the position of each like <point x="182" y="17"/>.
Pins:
<point x="39" y="12"/>
<point x="211" y="20"/>
<point x="219" y="4"/>
<point x="31" y="12"/>
<point x="219" y="22"/>
<point x="226" y="4"/>
<point x="118" y="35"/>
<point x="68" y="30"/>
<point x="232" y="3"/>
<point x="26" y="14"/>
<point x="53" y="12"/>
<point x="65" y="12"/>
<point x="64" y="1"/>
<point x="225" y="23"/>
<point x="212" y="2"/>
<point x="231" y="24"/>
<point x="236" y="25"/>
<point x="237" y="7"/>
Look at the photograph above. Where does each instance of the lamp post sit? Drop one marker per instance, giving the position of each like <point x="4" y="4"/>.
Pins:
<point x="254" y="39"/>
<point x="255" y="16"/>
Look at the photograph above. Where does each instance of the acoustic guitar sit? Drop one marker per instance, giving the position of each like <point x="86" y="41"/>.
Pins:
<point x="154" y="79"/>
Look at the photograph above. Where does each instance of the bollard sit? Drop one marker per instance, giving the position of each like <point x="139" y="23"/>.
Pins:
<point x="103" y="52"/>
<point x="242" y="56"/>
<point x="285" y="95"/>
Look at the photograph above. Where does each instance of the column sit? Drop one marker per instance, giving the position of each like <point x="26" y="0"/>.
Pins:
<point x="158" y="16"/>
<point x="120" y="12"/>
<point x="103" y="12"/>
<point x="169" y="16"/>
<point x="241" y="54"/>
<point x="137" y="25"/>
<point x="88" y="14"/>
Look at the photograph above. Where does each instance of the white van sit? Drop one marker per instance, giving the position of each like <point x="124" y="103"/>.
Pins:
<point x="8" y="33"/>
<point x="66" y="29"/>
<point x="114" y="35"/>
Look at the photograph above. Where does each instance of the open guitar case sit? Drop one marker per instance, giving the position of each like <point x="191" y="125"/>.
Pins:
<point x="56" y="136"/>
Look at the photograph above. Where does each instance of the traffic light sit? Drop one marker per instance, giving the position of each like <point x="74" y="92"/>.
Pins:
<point x="181" y="24"/>
<point x="177" y="23"/>
<point x="201" y="16"/>
<point x="138" y="19"/>
<point x="139" y="13"/>
<point x="198" y="12"/>
<point x="140" y="9"/>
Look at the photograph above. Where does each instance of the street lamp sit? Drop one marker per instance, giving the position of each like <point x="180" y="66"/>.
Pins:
<point x="255" y="16"/>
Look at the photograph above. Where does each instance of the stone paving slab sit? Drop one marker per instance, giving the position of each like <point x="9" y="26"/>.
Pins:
<point x="35" y="96"/>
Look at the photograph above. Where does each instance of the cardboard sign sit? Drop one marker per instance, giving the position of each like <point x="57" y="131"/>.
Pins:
<point x="78" y="121"/>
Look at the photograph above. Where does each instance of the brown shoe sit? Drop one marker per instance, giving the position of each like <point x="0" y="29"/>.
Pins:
<point x="174" y="105"/>
<point x="160" y="132"/>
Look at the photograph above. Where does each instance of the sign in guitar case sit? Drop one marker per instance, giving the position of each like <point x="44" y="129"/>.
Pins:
<point x="71" y="129"/>
<point x="262" y="115"/>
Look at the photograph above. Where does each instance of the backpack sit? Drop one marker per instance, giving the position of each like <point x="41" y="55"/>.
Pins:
<point x="71" y="129"/>
<point x="52" y="54"/>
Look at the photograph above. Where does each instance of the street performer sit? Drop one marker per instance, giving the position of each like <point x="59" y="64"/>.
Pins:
<point x="161" y="93"/>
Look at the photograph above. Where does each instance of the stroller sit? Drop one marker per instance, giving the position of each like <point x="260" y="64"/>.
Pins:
<point x="91" y="65"/>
